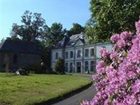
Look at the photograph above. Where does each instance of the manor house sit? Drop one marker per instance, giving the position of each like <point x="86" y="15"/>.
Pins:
<point x="78" y="54"/>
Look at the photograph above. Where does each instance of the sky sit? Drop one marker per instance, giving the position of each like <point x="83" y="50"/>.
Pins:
<point x="65" y="12"/>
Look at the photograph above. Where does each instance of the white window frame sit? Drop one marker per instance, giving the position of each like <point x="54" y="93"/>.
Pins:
<point x="93" y="52"/>
<point x="87" y="52"/>
<point x="78" y="54"/>
<point x="72" y="54"/>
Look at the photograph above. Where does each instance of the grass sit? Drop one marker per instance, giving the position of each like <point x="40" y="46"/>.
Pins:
<point x="28" y="90"/>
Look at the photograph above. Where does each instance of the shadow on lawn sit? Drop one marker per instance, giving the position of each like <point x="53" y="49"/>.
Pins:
<point x="64" y="96"/>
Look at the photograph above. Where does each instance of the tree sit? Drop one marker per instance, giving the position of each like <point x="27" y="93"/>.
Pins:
<point x="32" y="26"/>
<point x="118" y="72"/>
<point x="76" y="29"/>
<point x="59" y="66"/>
<point x="54" y="34"/>
<point x="2" y="40"/>
<point x="112" y="16"/>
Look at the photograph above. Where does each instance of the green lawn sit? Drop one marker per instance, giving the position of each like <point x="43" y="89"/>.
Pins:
<point x="27" y="90"/>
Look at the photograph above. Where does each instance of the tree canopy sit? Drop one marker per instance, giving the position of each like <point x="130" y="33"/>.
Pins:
<point x="112" y="16"/>
<point x="31" y="28"/>
<point x="76" y="29"/>
<point x="54" y="34"/>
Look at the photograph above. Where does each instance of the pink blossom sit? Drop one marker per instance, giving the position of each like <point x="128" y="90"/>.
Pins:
<point x="119" y="85"/>
<point x="114" y="38"/>
<point x="137" y="24"/>
<point x="104" y="53"/>
<point x="125" y="35"/>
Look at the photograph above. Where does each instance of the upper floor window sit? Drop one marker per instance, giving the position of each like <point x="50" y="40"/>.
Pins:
<point x="92" y="52"/>
<point x="103" y="46"/>
<point x="56" y="55"/>
<point x="71" y="54"/>
<point x="79" y="53"/>
<point x="86" y="52"/>
<point x="66" y="55"/>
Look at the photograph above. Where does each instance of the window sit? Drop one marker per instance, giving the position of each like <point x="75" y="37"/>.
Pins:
<point x="66" y="67"/>
<point x="103" y="46"/>
<point x="86" y="66"/>
<point x="66" y="55"/>
<point x="92" y="65"/>
<point x="79" y="53"/>
<point x="71" y="67"/>
<point x="78" y="67"/>
<point x="56" y="55"/>
<point x="71" y="54"/>
<point x="86" y="52"/>
<point x="92" y="52"/>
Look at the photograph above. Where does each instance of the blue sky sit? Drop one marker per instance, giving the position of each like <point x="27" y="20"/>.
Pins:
<point x="64" y="11"/>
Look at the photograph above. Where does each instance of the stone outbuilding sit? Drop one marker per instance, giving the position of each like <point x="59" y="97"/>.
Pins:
<point x="16" y="54"/>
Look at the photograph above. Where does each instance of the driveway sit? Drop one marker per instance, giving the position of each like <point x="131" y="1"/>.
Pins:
<point x="77" y="98"/>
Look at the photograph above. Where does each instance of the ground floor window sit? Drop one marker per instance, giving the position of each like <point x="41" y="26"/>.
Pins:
<point x="78" y="66"/>
<point x="86" y="66"/>
<point x="71" y="67"/>
<point x="66" y="67"/>
<point x="92" y="65"/>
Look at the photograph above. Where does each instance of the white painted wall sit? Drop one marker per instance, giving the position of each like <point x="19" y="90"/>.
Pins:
<point x="82" y="59"/>
<point x="53" y="55"/>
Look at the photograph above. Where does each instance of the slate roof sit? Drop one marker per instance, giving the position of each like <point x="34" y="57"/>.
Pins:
<point x="72" y="40"/>
<point x="18" y="46"/>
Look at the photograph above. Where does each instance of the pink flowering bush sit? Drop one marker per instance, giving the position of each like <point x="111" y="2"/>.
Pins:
<point x="117" y="80"/>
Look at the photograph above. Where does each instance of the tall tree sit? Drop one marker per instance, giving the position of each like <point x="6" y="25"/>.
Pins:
<point x="54" y="34"/>
<point x="76" y="29"/>
<point x="31" y="28"/>
<point x="113" y="16"/>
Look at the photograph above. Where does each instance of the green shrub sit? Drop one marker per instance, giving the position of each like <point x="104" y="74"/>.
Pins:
<point x="59" y="66"/>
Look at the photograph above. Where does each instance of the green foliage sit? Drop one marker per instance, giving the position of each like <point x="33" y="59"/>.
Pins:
<point x="2" y="40"/>
<point x="32" y="26"/>
<point x="76" y="29"/>
<point x="46" y="58"/>
<point x="53" y="34"/>
<point x="112" y="16"/>
<point x="28" y="90"/>
<point x="59" y="66"/>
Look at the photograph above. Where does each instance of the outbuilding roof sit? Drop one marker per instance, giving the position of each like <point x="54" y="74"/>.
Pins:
<point x="19" y="46"/>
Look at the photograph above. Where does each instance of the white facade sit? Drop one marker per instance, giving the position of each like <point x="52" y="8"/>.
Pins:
<point x="80" y="57"/>
<point x="99" y="46"/>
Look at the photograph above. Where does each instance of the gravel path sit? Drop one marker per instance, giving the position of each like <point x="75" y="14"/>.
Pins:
<point x="77" y="98"/>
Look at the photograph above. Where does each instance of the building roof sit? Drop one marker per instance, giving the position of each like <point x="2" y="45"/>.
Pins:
<point x="18" y="46"/>
<point x="72" y="40"/>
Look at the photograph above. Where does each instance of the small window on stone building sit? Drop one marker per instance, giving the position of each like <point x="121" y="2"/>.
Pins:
<point x="56" y="55"/>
